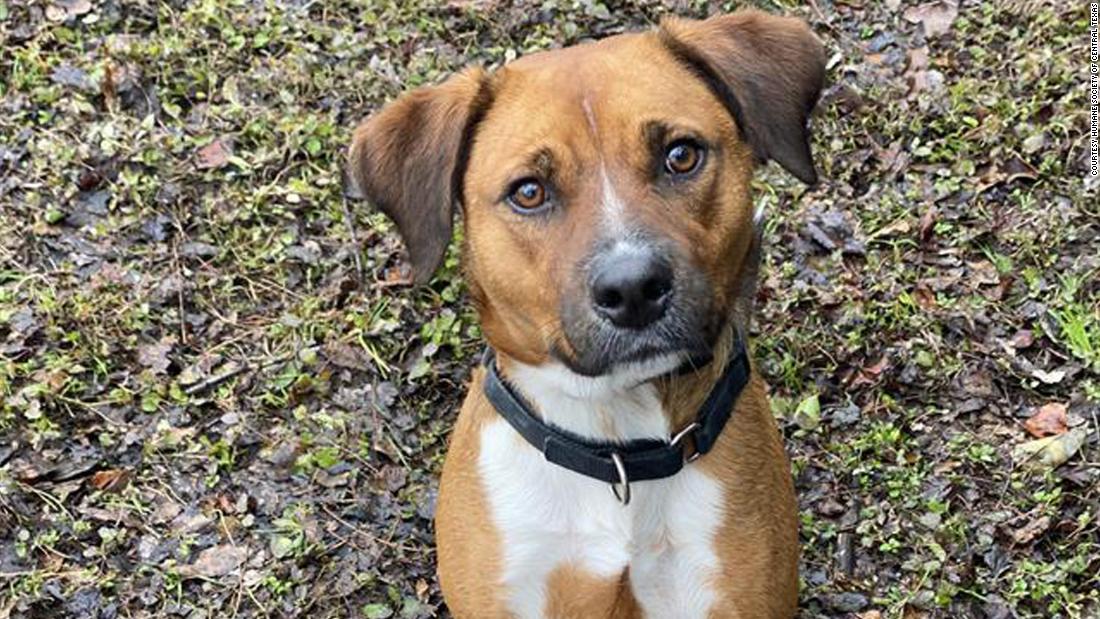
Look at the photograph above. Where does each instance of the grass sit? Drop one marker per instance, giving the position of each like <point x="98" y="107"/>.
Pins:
<point x="190" y="307"/>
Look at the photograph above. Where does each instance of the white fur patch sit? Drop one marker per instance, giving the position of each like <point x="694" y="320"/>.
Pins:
<point x="612" y="207"/>
<point x="549" y="516"/>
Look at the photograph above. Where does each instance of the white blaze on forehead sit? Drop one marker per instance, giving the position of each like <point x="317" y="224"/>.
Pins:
<point x="614" y="211"/>
<point x="612" y="207"/>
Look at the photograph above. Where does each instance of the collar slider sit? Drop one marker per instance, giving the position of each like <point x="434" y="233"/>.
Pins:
<point x="689" y="430"/>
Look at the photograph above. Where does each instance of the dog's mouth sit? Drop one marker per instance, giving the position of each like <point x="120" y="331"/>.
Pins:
<point x="643" y="355"/>
<point x="644" y="363"/>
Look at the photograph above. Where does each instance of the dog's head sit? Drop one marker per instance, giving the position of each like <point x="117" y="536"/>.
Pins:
<point x="605" y="187"/>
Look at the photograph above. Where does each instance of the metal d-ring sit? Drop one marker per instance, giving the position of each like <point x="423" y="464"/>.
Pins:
<point x="620" y="468"/>
<point x="679" y="438"/>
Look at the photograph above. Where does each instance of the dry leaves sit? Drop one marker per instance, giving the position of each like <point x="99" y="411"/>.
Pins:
<point x="1052" y="377"/>
<point x="997" y="173"/>
<point x="110" y="480"/>
<point x="1031" y="531"/>
<point x="1022" y="339"/>
<point x="1049" y="420"/>
<point x="155" y="356"/>
<point x="928" y="224"/>
<point x="1050" y="452"/>
<point x="62" y="10"/>
<point x="214" y="562"/>
<point x="918" y="76"/>
<point x="936" y="17"/>
<point x="214" y="155"/>
<point x="476" y="5"/>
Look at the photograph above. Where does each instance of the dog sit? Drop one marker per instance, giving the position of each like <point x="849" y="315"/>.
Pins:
<point x="615" y="455"/>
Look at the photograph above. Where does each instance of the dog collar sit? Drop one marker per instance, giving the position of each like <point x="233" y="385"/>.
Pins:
<point x="620" y="463"/>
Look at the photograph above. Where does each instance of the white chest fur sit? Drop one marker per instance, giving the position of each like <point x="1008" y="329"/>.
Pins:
<point x="550" y="517"/>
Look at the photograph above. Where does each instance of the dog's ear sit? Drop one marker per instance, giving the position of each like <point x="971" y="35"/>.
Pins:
<point x="409" y="159"/>
<point x="767" y="70"/>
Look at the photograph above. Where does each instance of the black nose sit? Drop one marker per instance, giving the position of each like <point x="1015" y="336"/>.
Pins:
<point x="632" y="289"/>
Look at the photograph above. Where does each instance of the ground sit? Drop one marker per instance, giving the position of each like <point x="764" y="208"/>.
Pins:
<point x="219" y="397"/>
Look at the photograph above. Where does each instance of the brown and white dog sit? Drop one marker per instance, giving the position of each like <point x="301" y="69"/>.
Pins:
<point x="610" y="247"/>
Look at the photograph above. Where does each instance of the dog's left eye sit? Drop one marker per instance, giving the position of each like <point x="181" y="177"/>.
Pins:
<point x="683" y="157"/>
<point x="527" y="195"/>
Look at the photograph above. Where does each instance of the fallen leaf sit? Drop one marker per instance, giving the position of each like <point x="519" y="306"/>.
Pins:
<point x="1022" y="339"/>
<point x="62" y="10"/>
<point x="918" y="58"/>
<point x="214" y="562"/>
<point x="1034" y="143"/>
<point x="995" y="174"/>
<point x="869" y="374"/>
<point x="1031" y="531"/>
<point x="214" y="155"/>
<point x="928" y="224"/>
<point x="155" y="356"/>
<point x="111" y="480"/>
<point x="165" y="511"/>
<point x="917" y="74"/>
<point x="394" y="477"/>
<point x="895" y="159"/>
<point x="1050" y="452"/>
<point x="282" y="546"/>
<point x="72" y="77"/>
<point x="936" y="17"/>
<point x="899" y="227"/>
<point x="346" y="356"/>
<point x="1049" y="378"/>
<point x="808" y="413"/>
<point x="1049" y="420"/>
<point x="477" y="5"/>
<point x="924" y="296"/>
<point x="377" y="611"/>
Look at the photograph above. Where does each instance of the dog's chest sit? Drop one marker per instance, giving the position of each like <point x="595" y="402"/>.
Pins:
<point x="551" y="519"/>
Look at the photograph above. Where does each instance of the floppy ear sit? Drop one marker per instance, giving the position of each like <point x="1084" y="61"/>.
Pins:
<point x="768" y="71"/>
<point x="409" y="160"/>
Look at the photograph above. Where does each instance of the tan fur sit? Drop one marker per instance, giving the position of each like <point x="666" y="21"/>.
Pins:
<point x="463" y="521"/>
<point x="746" y="82"/>
<point x="572" y="593"/>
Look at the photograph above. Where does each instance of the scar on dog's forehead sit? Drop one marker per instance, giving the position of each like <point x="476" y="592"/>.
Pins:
<point x="590" y="116"/>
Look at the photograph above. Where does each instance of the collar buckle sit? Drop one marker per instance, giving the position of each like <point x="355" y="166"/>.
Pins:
<point x="689" y="430"/>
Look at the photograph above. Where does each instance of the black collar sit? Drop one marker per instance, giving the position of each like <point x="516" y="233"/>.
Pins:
<point x="619" y="463"/>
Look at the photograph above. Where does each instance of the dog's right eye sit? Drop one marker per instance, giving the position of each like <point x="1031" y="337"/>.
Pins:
<point x="683" y="157"/>
<point x="527" y="195"/>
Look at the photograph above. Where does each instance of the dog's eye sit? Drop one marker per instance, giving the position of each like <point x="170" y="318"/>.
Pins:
<point x="527" y="195"/>
<point x="683" y="157"/>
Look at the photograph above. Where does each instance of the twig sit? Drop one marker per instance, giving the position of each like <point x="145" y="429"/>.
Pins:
<point x="243" y="367"/>
<point x="367" y="534"/>
<point x="217" y="379"/>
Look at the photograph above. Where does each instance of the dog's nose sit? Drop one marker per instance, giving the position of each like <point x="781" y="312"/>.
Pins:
<point x="631" y="289"/>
